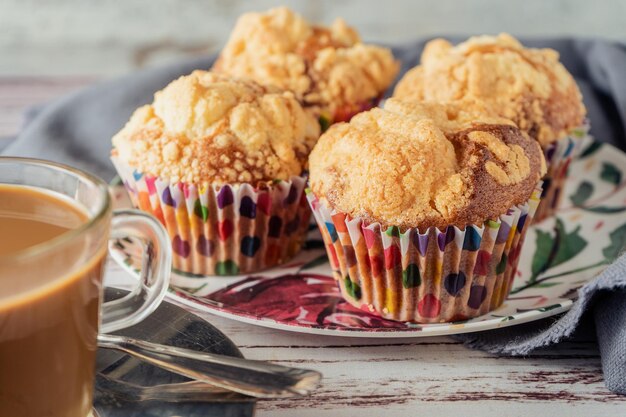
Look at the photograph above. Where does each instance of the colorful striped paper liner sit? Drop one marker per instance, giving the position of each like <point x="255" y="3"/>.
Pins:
<point x="224" y="229"/>
<point x="558" y="156"/>
<point x="425" y="277"/>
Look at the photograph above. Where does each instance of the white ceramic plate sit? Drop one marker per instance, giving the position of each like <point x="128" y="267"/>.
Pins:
<point x="560" y="255"/>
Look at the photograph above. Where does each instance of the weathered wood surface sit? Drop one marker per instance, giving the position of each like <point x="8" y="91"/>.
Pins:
<point x="437" y="376"/>
<point x="112" y="37"/>
<point x="17" y="94"/>
<point x="396" y="377"/>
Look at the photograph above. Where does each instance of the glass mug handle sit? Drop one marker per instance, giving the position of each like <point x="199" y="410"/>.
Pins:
<point x="154" y="276"/>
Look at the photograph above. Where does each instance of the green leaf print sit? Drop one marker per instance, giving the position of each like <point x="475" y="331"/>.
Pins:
<point x="605" y="209"/>
<point x="566" y="246"/>
<point x="547" y="284"/>
<point x="352" y="288"/>
<point x="541" y="259"/>
<point x="582" y="194"/>
<point x="617" y="245"/>
<point x="550" y="307"/>
<point x="194" y="290"/>
<point x="569" y="244"/>
<point x="590" y="150"/>
<point x="610" y="173"/>
<point x="553" y="251"/>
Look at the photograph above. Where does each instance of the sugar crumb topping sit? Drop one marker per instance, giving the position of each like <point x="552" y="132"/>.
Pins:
<point x="326" y="67"/>
<point x="527" y="85"/>
<point x="424" y="164"/>
<point x="206" y="127"/>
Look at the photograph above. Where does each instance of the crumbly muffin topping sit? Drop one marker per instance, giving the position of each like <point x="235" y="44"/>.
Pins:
<point x="326" y="67"/>
<point x="210" y="128"/>
<point x="529" y="86"/>
<point x="450" y="117"/>
<point x="424" y="164"/>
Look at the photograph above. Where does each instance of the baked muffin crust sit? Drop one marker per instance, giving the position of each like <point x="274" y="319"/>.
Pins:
<point x="529" y="86"/>
<point x="210" y="128"/>
<point x="326" y="67"/>
<point x="424" y="164"/>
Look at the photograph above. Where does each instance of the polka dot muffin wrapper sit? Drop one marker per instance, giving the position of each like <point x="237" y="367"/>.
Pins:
<point x="425" y="277"/>
<point x="227" y="229"/>
<point x="558" y="156"/>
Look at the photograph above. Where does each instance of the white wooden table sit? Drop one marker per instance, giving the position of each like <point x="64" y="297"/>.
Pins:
<point x="395" y="377"/>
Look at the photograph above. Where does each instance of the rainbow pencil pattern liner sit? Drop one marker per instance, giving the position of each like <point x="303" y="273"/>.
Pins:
<point x="558" y="156"/>
<point x="224" y="229"/>
<point x="429" y="276"/>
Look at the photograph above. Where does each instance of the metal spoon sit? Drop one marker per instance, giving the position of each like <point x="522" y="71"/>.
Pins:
<point x="255" y="378"/>
<point x="190" y="391"/>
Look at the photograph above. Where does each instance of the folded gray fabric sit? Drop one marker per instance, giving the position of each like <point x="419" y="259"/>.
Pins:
<point x="77" y="130"/>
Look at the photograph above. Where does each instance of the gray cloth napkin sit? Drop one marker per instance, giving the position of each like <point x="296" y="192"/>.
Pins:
<point x="77" y="130"/>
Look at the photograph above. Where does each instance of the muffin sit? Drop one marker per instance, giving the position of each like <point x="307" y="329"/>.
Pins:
<point x="221" y="163"/>
<point x="423" y="208"/>
<point x="526" y="85"/>
<point x="329" y="70"/>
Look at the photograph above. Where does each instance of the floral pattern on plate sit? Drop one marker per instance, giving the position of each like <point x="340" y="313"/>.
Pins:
<point x="560" y="255"/>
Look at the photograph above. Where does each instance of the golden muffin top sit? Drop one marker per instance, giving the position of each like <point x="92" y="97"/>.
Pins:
<point x="328" y="68"/>
<point x="211" y="128"/>
<point x="529" y="86"/>
<point x="424" y="164"/>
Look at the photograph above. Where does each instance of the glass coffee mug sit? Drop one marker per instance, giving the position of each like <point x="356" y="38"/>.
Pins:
<point x="55" y="225"/>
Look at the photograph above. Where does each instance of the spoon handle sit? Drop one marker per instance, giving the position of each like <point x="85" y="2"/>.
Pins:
<point x="255" y="378"/>
<point x="114" y="390"/>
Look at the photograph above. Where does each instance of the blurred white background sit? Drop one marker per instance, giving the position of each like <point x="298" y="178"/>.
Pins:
<point x="105" y="38"/>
